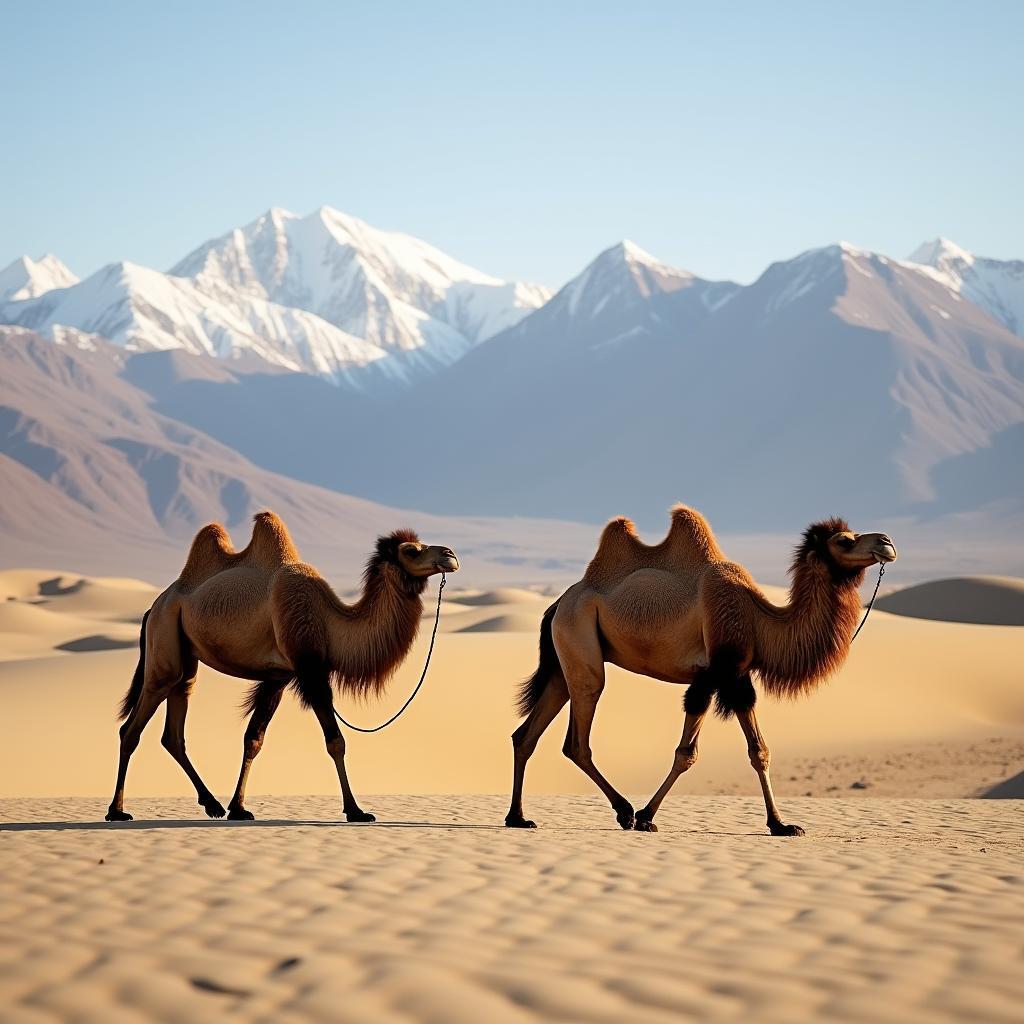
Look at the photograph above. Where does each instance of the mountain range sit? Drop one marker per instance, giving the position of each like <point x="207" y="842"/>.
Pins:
<point x="325" y="294"/>
<point x="320" y="352"/>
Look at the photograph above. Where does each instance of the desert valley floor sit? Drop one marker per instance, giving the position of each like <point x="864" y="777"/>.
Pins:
<point x="904" y="902"/>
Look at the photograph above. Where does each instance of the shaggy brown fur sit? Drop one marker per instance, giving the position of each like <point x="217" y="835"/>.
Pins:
<point x="264" y="615"/>
<point x="678" y="611"/>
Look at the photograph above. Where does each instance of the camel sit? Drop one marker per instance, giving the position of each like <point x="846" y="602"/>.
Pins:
<point x="679" y="612"/>
<point x="264" y="615"/>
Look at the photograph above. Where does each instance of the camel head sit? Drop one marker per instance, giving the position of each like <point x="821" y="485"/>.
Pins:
<point x="833" y="543"/>
<point x="404" y="550"/>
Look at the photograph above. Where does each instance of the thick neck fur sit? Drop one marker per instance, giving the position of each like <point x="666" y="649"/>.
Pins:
<point x="799" y="645"/>
<point x="369" y="639"/>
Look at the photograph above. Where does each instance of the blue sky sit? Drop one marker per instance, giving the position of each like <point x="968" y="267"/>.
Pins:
<point x="519" y="137"/>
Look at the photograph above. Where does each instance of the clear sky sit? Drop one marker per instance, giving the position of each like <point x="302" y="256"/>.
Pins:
<point x="520" y="137"/>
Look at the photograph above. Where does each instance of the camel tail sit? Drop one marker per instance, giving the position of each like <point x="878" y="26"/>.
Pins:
<point x="131" y="698"/>
<point x="533" y="688"/>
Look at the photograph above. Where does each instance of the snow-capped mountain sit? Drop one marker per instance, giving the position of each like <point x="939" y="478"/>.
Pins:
<point x="624" y="297"/>
<point x="139" y="308"/>
<point x="26" y="278"/>
<point x="391" y="289"/>
<point x="325" y="294"/>
<point x="997" y="286"/>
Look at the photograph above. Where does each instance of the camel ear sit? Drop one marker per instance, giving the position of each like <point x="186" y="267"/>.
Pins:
<point x="815" y="540"/>
<point x="387" y="549"/>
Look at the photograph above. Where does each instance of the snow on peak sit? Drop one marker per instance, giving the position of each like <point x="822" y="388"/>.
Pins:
<point x="392" y="289"/>
<point x="827" y="266"/>
<point x="633" y="253"/>
<point x="27" y="278"/>
<point x="629" y="254"/>
<point x="622" y="273"/>
<point x="997" y="286"/>
<point x="940" y="252"/>
<point x="139" y="308"/>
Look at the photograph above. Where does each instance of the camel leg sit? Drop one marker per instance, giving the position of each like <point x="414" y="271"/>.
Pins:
<point x="317" y="693"/>
<point x="584" y="704"/>
<point x="579" y="652"/>
<point x="173" y="741"/>
<point x="131" y="731"/>
<point x="760" y="758"/>
<point x="684" y="760"/>
<point x="268" y="699"/>
<point x="524" y="742"/>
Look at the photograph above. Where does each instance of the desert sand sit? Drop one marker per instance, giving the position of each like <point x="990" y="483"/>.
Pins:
<point x="889" y="910"/>
<point x="892" y="908"/>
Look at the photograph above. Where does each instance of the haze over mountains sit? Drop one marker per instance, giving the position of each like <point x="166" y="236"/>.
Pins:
<point x="369" y="363"/>
<point x="91" y="475"/>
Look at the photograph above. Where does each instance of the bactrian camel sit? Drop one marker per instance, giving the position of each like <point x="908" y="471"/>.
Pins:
<point x="262" y="614"/>
<point x="678" y="611"/>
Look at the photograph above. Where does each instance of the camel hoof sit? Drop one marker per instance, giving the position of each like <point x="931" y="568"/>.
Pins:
<point x="213" y="808"/>
<point x="113" y="815"/>
<point x="240" y="814"/>
<point x="357" y="816"/>
<point x="625" y="818"/>
<point x="511" y="822"/>
<point x="645" y="825"/>
<point x="778" y="829"/>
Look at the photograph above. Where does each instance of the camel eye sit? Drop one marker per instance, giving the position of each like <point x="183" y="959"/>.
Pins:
<point x="845" y="542"/>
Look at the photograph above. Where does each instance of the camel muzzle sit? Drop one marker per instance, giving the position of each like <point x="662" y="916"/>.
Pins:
<point x="885" y="552"/>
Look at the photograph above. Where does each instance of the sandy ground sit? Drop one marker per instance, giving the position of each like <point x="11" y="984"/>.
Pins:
<point x="889" y="910"/>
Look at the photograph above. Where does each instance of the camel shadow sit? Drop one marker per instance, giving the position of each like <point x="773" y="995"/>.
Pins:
<point x="207" y="823"/>
<point x="162" y="823"/>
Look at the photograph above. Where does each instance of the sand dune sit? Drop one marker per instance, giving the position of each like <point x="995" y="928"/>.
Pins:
<point x="990" y="600"/>
<point x="501" y="610"/>
<point x="42" y="613"/>
<point x="890" y="910"/>
<point x="100" y="597"/>
<point x="1008" y="789"/>
<point x="503" y="595"/>
<point x="507" y="622"/>
<point x="88" y="644"/>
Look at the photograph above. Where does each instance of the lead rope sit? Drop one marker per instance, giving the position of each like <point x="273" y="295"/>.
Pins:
<point x="867" y="611"/>
<point x="423" y="675"/>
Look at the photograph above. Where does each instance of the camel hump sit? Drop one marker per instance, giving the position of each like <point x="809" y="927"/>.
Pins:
<point x="692" y="532"/>
<point x="211" y="551"/>
<point x="620" y="550"/>
<point x="616" y="554"/>
<point x="271" y="543"/>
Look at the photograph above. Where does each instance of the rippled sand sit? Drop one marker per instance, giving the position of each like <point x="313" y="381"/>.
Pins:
<point x="889" y="910"/>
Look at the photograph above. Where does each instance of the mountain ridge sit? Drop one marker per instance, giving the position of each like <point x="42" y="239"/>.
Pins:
<point x="841" y="379"/>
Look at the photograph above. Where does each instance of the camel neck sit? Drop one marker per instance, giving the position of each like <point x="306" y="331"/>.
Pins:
<point x="802" y="643"/>
<point x="370" y="638"/>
